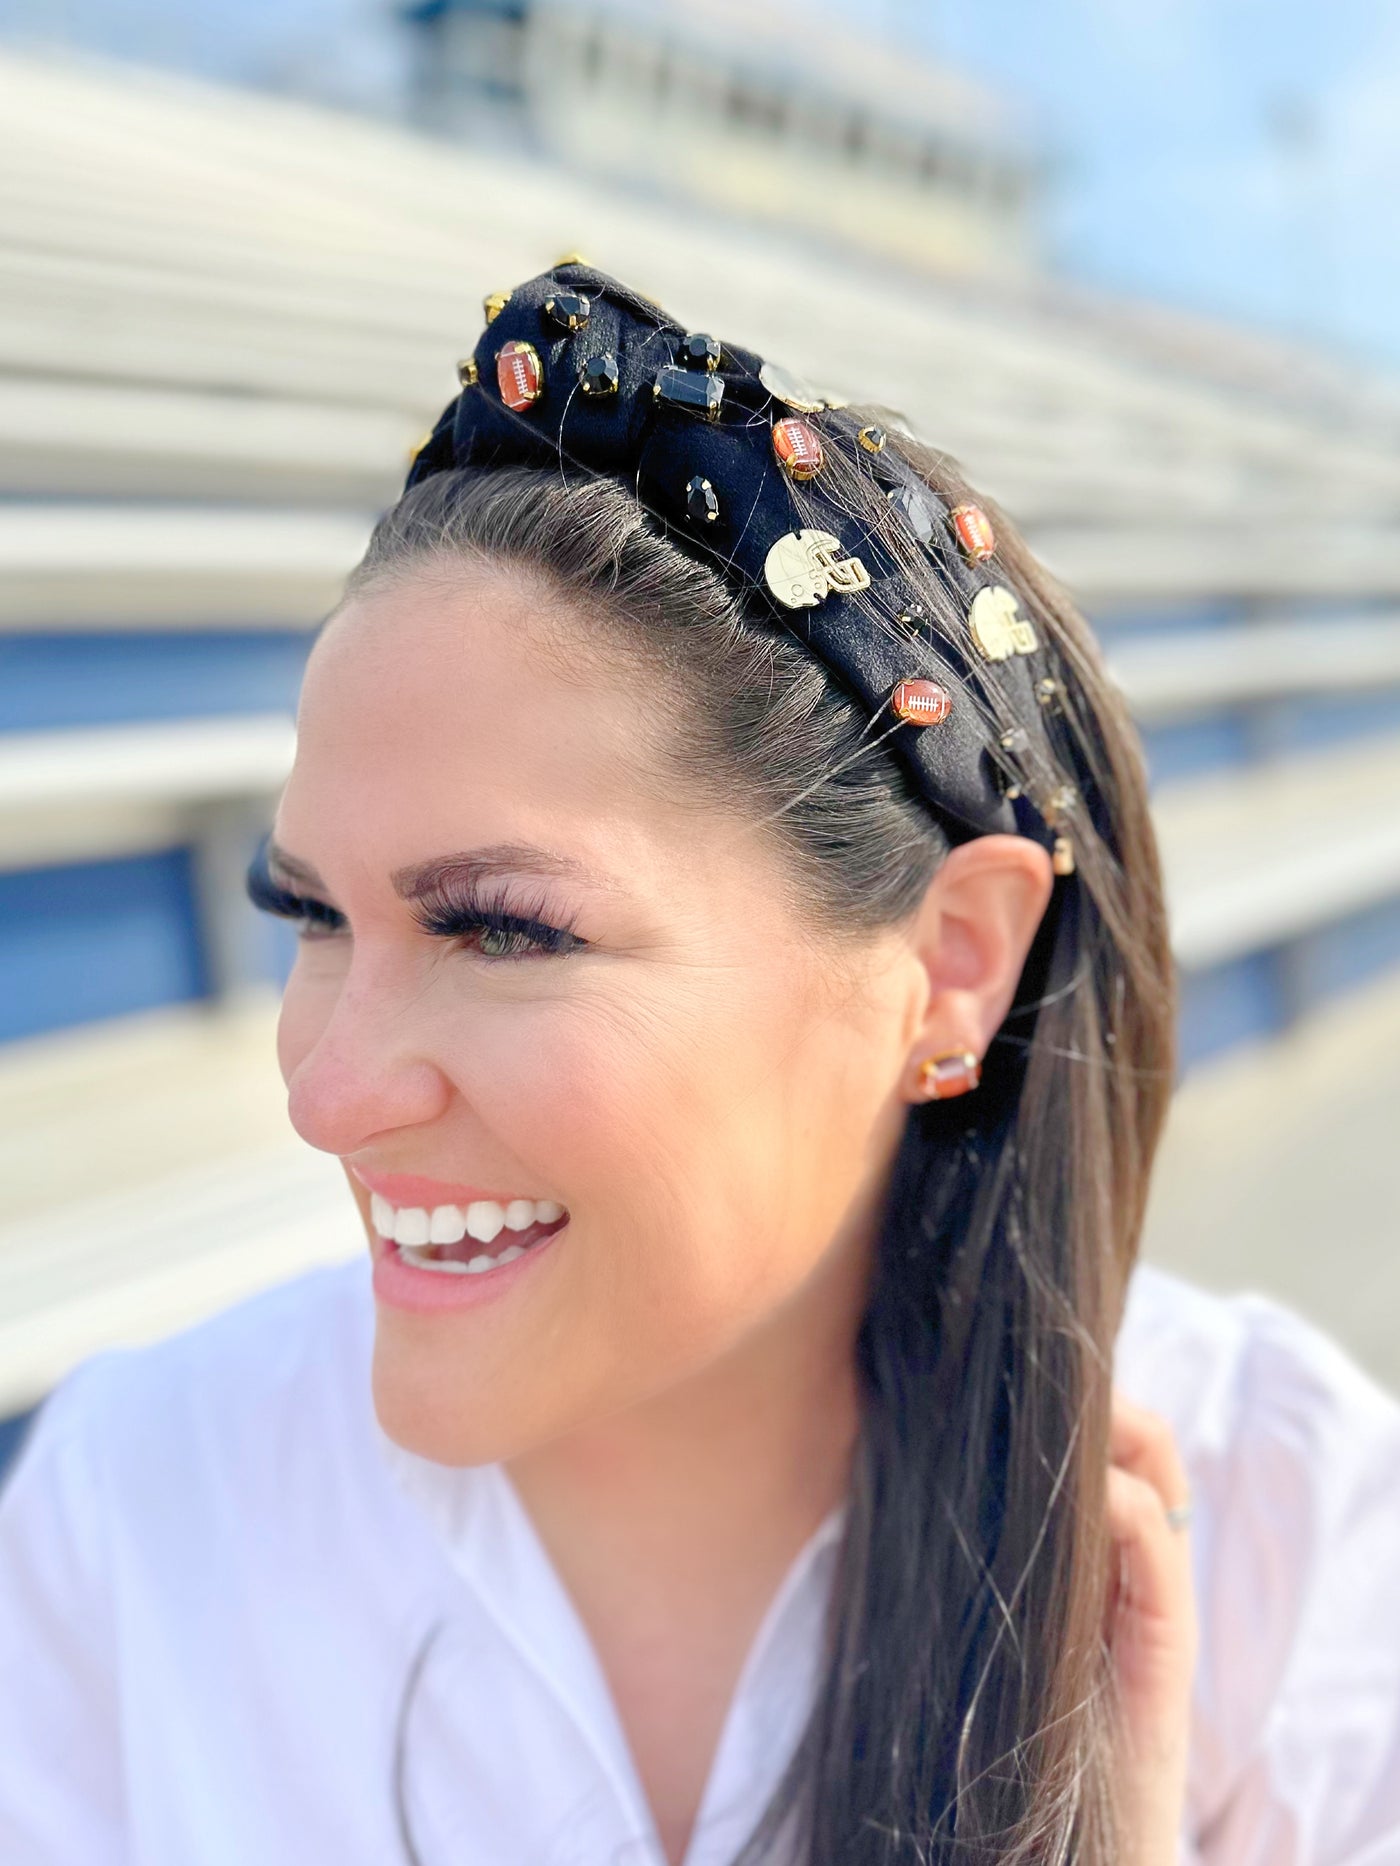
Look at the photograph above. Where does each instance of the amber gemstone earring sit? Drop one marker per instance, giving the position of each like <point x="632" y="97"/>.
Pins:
<point x="951" y="1072"/>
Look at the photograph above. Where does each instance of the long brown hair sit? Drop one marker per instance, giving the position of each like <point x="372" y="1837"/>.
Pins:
<point x="965" y="1712"/>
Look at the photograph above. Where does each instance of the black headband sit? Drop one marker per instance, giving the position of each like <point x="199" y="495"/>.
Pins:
<point x="733" y="456"/>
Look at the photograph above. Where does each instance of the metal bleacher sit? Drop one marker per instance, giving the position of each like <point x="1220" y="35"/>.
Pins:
<point x="225" y="319"/>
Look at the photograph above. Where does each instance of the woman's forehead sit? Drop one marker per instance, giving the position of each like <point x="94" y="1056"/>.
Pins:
<point x="434" y="719"/>
<point x="455" y="672"/>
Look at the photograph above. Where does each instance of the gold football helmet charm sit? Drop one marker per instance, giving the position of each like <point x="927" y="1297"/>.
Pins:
<point x="999" y="630"/>
<point x="805" y="566"/>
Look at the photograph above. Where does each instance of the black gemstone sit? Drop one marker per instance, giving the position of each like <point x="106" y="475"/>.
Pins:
<point x="700" y="500"/>
<point x="570" y="309"/>
<point x="683" y="388"/>
<point x="698" y="351"/>
<point x="599" y="374"/>
<point x="917" y="509"/>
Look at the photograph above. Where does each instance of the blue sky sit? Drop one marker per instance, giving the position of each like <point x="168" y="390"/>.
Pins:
<point x="1240" y="157"/>
<point x="1236" y="156"/>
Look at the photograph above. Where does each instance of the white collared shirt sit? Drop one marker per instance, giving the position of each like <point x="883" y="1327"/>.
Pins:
<point x="217" y="1574"/>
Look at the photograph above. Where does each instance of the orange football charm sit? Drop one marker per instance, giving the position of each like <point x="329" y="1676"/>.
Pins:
<point x="974" y="532"/>
<point x="519" y="373"/>
<point x="798" y="445"/>
<point x="921" y="702"/>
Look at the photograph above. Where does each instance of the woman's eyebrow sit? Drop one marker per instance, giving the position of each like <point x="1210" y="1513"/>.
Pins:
<point x="418" y="879"/>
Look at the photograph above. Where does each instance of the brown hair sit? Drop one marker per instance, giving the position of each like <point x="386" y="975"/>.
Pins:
<point x="965" y="1712"/>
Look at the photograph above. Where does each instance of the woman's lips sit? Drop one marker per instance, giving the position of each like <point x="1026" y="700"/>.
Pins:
<point x="415" y="1189"/>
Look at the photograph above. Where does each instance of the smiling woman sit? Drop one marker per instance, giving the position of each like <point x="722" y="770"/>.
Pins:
<point x="733" y="976"/>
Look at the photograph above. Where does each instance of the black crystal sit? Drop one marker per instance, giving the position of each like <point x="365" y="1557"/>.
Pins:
<point x="599" y="374"/>
<point x="917" y="509"/>
<point x="570" y="309"/>
<point x="684" y="388"/>
<point x="698" y="351"/>
<point x="700" y="499"/>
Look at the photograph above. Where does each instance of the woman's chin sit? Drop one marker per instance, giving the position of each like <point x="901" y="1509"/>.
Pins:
<point x="418" y="1414"/>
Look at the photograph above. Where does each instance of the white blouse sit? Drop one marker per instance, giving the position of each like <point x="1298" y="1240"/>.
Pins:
<point x="217" y="1572"/>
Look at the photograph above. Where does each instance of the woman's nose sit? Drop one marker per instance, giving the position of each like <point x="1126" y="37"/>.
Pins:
<point x="359" y="1069"/>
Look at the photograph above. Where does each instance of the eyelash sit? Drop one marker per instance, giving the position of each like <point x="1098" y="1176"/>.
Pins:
<point x="473" y="911"/>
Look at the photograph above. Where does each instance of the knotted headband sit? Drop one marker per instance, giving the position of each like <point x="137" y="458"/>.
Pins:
<point x="741" y="464"/>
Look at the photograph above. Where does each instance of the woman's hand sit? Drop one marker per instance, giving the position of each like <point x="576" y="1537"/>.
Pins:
<point x="1150" y="1628"/>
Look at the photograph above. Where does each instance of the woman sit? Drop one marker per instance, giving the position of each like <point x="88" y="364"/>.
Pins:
<point x="725" y="880"/>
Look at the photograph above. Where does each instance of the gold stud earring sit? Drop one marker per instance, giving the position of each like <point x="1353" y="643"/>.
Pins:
<point x="951" y="1072"/>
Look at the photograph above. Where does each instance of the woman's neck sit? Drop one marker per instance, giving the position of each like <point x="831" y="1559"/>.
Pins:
<point x="673" y="1524"/>
<point x="729" y="1470"/>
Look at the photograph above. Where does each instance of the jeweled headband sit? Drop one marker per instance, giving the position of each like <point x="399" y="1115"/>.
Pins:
<point x="730" y="454"/>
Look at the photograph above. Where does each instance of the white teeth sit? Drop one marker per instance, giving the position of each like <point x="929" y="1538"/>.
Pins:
<point x="474" y="1265"/>
<point x="446" y="1225"/>
<point x="510" y="1253"/>
<point x="411" y="1225"/>
<point x="484" y="1219"/>
<point x="422" y="1261"/>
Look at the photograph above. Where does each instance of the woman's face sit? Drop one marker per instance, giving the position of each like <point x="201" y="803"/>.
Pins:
<point x="711" y="1095"/>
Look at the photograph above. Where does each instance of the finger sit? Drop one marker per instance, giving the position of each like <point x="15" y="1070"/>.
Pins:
<point x="1151" y="1625"/>
<point x="1142" y="1442"/>
<point x="1151" y="1639"/>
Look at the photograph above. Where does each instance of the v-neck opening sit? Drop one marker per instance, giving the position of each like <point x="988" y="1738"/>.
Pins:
<point x="615" y="1753"/>
<point x="493" y="1544"/>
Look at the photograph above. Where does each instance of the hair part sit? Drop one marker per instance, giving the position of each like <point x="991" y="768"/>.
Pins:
<point x="965" y="1711"/>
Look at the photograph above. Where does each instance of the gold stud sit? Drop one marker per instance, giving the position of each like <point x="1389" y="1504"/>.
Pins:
<point x="1017" y="743"/>
<point x="572" y="259"/>
<point x="493" y="304"/>
<point x="467" y="372"/>
<point x="1062" y="856"/>
<point x="1060" y="803"/>
<point x="1047" y="691"/>
<point x="418" y="446"/>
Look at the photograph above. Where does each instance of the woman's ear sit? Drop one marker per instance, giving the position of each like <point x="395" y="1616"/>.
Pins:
<point x="971" y="936"/>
